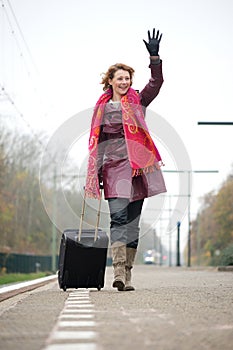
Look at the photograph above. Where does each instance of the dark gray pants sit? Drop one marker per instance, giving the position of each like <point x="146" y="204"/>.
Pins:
<point x="125" y="216"/>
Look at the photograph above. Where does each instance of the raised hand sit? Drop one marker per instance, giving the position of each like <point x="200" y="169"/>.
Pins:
<point x="153" y="43"/>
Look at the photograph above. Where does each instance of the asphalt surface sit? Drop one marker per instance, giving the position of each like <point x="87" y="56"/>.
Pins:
<point x="26" y="320"/>
<point x="172" y="308"/>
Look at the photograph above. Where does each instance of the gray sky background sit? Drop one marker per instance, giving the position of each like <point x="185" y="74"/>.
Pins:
<point x="69" y="44"/>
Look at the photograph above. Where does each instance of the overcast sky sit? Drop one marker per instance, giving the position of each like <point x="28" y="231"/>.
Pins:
<point x="51" y="67"/>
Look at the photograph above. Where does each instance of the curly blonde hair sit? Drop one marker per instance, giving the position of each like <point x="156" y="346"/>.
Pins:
<point x="112" y="70"/>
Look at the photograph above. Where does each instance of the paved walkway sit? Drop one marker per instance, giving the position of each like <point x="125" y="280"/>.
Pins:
<point x="171" y="309"/>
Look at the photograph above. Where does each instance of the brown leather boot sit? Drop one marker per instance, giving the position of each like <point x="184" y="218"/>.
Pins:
<point x="130" y="257"/>
<point x="118" y="262"/>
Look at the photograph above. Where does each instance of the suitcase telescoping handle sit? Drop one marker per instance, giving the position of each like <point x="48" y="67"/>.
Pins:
<point x="82" y="216"/>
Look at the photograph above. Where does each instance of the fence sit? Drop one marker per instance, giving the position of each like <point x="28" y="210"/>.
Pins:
<point x="24" y="263"/>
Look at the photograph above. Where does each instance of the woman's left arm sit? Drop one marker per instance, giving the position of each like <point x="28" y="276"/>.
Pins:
<point x="151" y="90"/>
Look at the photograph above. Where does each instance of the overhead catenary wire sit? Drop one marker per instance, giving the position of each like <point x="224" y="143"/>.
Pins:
<point x="29" y="64"/>
<point x="4" y="92"/>
<point x="10" y="99"/>
<point x="22" y="116"/>
<point x="22" y="36"/>
<point x="18" y="45"/>
<point x="15" y="31"/>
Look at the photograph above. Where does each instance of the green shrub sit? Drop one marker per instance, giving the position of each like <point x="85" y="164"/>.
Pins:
<point x="226" y="257"/>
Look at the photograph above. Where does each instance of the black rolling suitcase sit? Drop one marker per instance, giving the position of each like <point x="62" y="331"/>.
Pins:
<point x="83" y="255"/>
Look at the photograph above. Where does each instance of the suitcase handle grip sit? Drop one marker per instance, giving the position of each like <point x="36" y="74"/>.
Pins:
<point x="82" y="216"/>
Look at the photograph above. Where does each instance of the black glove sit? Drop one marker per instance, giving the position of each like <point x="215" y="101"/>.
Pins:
<point x="153" y="43"/>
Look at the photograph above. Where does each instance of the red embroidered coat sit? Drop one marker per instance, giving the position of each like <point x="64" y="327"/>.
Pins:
<point x="113" y="163"/>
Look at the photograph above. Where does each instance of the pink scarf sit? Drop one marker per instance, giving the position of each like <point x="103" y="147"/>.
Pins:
<point x="142" y="152"/>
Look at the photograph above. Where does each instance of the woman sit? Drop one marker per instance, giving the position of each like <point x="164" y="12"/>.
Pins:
<point x="123" y="158"/>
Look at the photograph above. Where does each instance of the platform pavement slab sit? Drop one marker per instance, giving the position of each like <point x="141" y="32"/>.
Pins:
<point x="171" y="309"/>
<point x="27" y="319"/>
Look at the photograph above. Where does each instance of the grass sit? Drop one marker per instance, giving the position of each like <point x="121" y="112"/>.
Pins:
<point x="20" y="277"/>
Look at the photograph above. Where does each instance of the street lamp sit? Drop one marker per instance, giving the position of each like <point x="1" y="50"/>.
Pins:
<point x="178" y="245"/>
<point x="54" y="230"/>
<point x="189" y="201"/>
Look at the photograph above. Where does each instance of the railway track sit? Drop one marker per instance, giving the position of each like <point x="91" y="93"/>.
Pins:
<point x="10" y="291"/>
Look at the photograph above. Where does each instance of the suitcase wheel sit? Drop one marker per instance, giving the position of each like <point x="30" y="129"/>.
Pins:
<point x="64" y="282"/>
<point x="100" y="278"/>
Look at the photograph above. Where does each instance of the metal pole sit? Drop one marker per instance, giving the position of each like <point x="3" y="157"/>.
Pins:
<point x="189" y="198"/>
<point x="189" y="224"/>
<point x="178" y="245"/>
<point x="169" y="234"/>
<point x="154" y="240"/>
<point x="198" y="241"/>
<point x="53" y="266"/>
<point x="215" y="123"/>
<point x="160" y="244"/>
